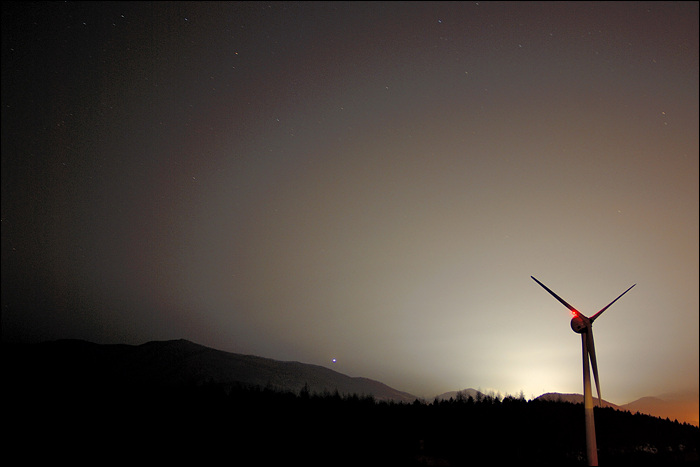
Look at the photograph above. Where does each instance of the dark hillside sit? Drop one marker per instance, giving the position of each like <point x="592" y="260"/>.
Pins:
<point x="173" y="363"/>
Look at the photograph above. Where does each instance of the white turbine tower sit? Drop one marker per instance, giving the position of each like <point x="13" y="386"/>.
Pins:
<point x="584" y="326"/>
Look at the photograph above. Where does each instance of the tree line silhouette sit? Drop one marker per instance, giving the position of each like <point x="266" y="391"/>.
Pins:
<point x="213" y="423"/>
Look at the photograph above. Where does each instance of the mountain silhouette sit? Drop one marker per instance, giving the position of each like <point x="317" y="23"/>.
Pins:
<point x="681" y="407"/>
<point x="574" y="399"/>
<point x="464" y="393"/>
<point x="176" y="363"/>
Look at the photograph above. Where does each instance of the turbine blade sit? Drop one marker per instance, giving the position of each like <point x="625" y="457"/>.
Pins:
<point x="601" y="311"/>
<point x="574" y="310"/>
<point x="594" y="363"/>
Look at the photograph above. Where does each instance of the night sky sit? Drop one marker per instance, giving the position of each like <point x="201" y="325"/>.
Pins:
<point x="368" y="182"/>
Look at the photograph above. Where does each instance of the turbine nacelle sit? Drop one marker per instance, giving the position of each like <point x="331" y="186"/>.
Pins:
<point x="579" y="325"/>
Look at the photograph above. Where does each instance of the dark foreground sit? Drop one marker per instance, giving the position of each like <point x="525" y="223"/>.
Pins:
<point x="212" y="424"/>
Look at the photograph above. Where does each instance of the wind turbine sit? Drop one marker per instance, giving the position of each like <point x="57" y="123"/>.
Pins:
<point x="584" y="326"/>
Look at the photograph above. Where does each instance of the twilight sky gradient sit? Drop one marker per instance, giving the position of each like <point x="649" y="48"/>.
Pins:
<point x="371" y="182"/>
